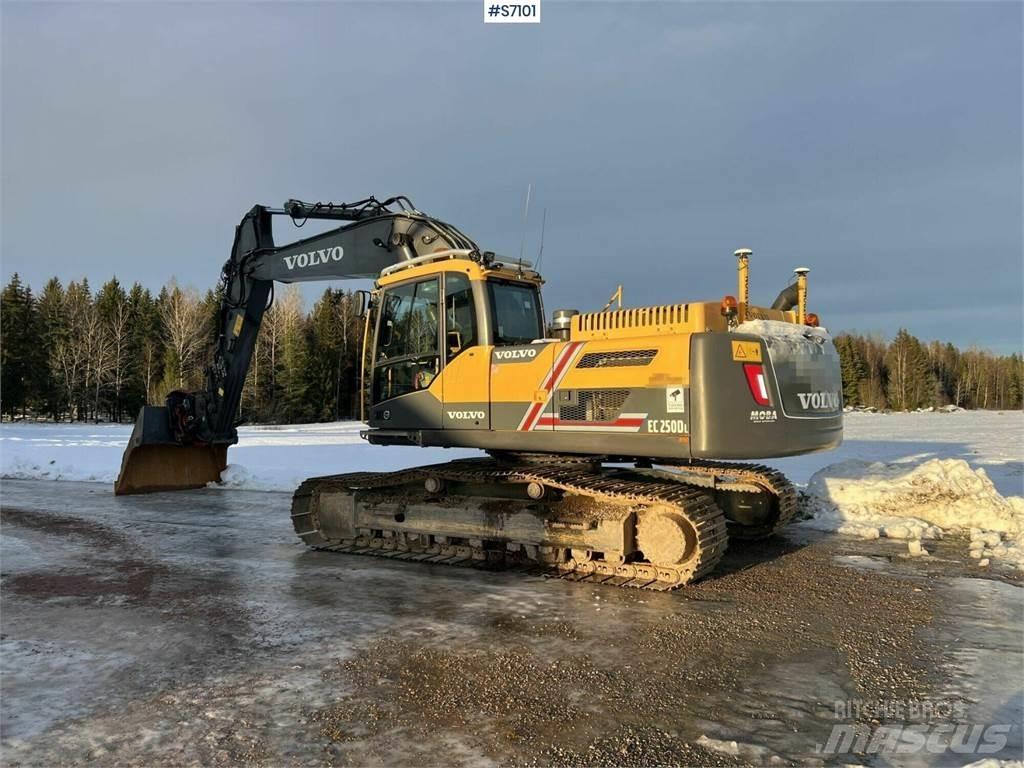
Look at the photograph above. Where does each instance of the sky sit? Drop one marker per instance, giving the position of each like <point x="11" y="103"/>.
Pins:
<point x="879" y="144"/>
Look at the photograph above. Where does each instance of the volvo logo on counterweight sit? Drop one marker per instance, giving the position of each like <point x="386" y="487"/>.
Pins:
<point x="819" y="401"/>
<point x="313" y="258"/>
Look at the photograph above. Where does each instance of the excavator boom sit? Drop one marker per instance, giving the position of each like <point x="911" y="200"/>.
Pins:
<point x="184" y="443"/>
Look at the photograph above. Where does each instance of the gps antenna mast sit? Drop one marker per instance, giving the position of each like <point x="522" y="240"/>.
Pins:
<point x="540" y="251"/>
<point x="526" y="216"/>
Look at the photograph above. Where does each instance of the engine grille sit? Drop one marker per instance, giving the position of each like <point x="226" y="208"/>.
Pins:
<point x="617" y="359"/>
<point x="595" y="405"/>
<point x="639" y="317"/>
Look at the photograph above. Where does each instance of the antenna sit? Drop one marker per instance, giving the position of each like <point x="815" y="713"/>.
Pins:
<point x="540" y="251"/>
<point x="526" y="215"/>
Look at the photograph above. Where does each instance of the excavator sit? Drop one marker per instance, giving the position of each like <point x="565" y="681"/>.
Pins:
<point x="616" y="445"/>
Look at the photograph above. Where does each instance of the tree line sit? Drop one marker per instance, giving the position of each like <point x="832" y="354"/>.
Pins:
<point x="70" y="353"/>
<point x="906" y="374"/>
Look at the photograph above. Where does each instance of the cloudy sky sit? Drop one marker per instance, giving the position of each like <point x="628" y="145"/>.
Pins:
<point x="879" y="144"/>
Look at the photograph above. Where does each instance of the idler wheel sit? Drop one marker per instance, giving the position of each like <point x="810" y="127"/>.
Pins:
<point x="665" y="536"/>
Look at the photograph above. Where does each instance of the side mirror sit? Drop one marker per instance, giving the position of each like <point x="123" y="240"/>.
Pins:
<point x="362" y="303"/>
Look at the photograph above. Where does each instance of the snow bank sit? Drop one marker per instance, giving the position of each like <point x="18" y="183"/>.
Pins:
<point x="267" y="458"/>
<point x="918" y="501"/>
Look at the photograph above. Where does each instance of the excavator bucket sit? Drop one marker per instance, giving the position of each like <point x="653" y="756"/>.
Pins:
<point x="154" y="461"/>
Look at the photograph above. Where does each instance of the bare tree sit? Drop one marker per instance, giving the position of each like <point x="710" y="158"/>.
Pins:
<point x="100" y="367"/>
<point x="69" y="359"/>
<point x="118" y="327"/>
<point x="183" y="323"/>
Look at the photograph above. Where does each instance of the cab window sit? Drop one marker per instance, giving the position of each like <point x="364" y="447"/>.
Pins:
<point x="515" y="310"/>
<point x="406" y="355"/>
<point x="459" y="314"/>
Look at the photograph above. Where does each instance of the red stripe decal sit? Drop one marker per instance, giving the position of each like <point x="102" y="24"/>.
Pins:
<point x="563" y="359"/>
<point x="531" y="415"/>
<point x="550" y="381"/>
<point x="554" y="421"/>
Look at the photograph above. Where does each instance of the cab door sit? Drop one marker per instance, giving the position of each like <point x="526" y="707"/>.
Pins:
<point x="407" y="357"/>
<point x="466" y="378"/>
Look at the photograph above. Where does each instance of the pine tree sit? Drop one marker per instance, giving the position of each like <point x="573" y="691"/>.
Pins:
<point x="853" y="367"/>
<point x="911" y="383"/>
<point x="145" y="350"/>
<point x="115" y="315"/>
<point x="19" y="351"/>
<point x="324" y="348"/>
<point x="50" y="398"/>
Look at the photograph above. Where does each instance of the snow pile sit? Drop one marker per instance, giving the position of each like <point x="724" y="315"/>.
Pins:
<point x="918" y="501"/>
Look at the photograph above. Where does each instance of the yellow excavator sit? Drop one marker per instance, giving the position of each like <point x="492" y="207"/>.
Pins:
<point x="614" y="444"/>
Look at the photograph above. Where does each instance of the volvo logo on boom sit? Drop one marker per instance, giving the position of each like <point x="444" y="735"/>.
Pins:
<point x="515" y="354"/>
<point x="313" y="258"/>
<point x="819" y="401"/>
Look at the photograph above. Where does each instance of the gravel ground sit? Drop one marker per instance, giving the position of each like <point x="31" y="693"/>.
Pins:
<point x="191" y="628"/>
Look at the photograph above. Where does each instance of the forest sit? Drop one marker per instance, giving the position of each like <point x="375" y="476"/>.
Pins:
<point x="70" y="353"/>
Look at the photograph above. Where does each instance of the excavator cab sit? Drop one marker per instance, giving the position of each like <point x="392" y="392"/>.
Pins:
<point x="431" y="332"/>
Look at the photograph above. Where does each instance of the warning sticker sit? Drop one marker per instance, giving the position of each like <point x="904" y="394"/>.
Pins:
<point x="746" y="351"/>
<point x="674" y="400"/>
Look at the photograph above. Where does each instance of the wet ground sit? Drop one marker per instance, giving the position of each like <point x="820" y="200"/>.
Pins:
<point x="192" y="628"/>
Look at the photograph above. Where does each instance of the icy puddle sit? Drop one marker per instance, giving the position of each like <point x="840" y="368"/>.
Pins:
<point x="983" y="632"/>
<point x="192" y="627"/>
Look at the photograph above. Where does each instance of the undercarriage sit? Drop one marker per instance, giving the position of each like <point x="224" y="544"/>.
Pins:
<point x="652" y="527"/>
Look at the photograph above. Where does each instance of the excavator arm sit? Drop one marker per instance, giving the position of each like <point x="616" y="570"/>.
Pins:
<point x="183" y="444"/>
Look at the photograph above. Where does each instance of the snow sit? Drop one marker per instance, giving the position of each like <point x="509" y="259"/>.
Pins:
<point x="919" y="476"/>
<point x="776" y="329"/>
<point x="267" y="458"/>
<point x="915" y="502"/>
<point x="909" y="476"/>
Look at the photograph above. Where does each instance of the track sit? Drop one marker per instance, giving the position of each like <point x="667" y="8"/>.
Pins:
<point x="732" y="475"/>
<point x="653" y="509"/>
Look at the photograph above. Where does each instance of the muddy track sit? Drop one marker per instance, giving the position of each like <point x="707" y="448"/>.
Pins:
<point x="671" y="492"/>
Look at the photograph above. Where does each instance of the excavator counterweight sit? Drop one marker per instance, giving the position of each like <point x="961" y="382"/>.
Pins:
<point x="617" y="442"/>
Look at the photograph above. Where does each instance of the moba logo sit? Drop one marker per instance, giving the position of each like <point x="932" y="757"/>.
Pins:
<point x="313" y="258"/>
<point x="466" y="415"/>
<point x="819" y="401"/>
<point x="515" y="354"/>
